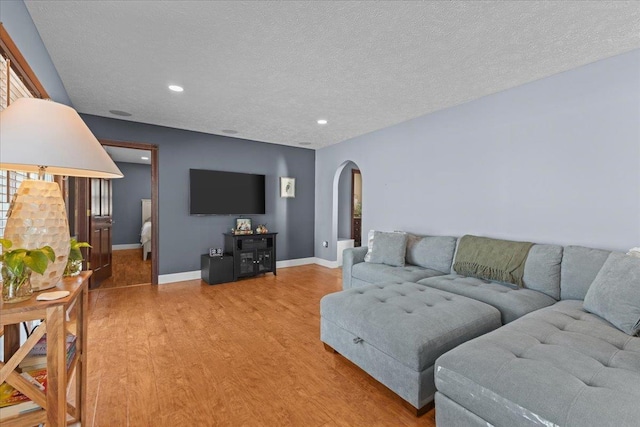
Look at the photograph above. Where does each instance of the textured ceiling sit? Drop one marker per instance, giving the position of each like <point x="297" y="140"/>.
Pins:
<point x="269" y="70"/>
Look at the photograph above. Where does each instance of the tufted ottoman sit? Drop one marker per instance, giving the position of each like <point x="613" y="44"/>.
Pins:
<point x="396" y="331"/>
<point x="556" y="366"/>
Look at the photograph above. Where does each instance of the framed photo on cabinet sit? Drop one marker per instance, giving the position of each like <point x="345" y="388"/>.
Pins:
<point x="243" y="226"/>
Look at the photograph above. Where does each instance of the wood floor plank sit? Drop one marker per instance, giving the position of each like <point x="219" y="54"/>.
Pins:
<point x="246" y="353"/>
<point x="128" y="268"/>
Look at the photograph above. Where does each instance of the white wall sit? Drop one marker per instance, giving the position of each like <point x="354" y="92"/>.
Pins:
<point x="554" y="161"/>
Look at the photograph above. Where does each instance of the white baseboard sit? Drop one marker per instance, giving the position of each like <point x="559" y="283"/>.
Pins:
<point x="326" y="263"/>
<point x="194" y="275"/>
<point x="127" y="246"/>
<point x="179" y="277"/>
<point x="295" y="262"/>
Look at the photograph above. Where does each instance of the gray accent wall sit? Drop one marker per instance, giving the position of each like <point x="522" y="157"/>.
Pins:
<point x="16" y="19"/>
<point x="127" y="205"/>
<point x="555" y="161"/>
<point x="184" y="237"/>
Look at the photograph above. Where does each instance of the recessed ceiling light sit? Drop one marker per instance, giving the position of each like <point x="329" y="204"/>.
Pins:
<point x="322" y="122"/>
<point x="176" y="88"/>
<point x="230" y="131"/>
<point x="120" y="113"/>
<point x="304" y="143"/>
<point x="144" y="158"/>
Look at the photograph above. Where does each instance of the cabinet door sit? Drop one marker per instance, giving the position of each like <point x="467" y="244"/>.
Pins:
<point x="265" y="260"/>
<point x="246" y="263"/>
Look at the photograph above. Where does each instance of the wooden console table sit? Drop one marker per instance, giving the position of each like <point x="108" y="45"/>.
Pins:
<point x="55" y="406"/>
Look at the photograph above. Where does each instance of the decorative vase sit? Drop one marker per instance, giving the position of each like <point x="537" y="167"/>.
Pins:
<point x="73" y="268"/>
<point x="16" y="288"/>
<point x="38" y="217"/>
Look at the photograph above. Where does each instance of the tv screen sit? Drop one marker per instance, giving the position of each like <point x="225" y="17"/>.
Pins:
<point x="225" y="193"/>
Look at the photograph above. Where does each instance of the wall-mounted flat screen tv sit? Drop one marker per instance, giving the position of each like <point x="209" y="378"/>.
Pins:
<point x="225" y="193"/>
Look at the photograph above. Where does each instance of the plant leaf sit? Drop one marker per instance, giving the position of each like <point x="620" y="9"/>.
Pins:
<point x="83" y="245"/>
<point x="14" y="261"/>
<point x="37" y="261"/>
<point x="6" y="243"/>
<point x="49" y="252"/>
<point x="75" y="254"/>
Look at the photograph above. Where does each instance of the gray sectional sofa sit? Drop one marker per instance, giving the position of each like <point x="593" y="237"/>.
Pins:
<point x="493" y="353"/>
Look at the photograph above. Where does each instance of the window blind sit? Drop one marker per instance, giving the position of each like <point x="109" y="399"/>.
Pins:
<point x="10" y="180"/>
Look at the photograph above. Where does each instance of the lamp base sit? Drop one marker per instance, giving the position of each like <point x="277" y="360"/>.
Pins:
<point x="37" y="218"/>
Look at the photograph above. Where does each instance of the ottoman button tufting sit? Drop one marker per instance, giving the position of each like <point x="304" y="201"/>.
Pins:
<point x="357" y="340"/>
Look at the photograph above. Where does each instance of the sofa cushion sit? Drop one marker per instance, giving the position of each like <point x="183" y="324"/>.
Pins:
<point x="555" y="366"/>
<point x="580" y="266"/>
<point x="513" y="302"/>
<point x="378" y="273"/>
<point x="388" y="248"/>
<point x="413" y="324"/>
<point x="542" y="269"/>
<point x="434" y="252"/>
<point x="615" y="293"/>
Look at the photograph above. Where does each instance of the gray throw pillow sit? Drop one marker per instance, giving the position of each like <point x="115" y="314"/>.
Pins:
<point x="433" y="252"/>
<point x="614" y="294"/>
<point x="389" y="248"/>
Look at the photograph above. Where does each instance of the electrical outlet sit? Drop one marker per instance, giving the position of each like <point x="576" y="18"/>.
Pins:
<point x="325" y="244"/>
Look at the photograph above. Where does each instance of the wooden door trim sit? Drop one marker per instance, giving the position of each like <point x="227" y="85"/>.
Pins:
<point x="82" y="221"/>
<point x="9" y="48"/>
<point x="354" y="172"/>
<point x="155" y="215"/>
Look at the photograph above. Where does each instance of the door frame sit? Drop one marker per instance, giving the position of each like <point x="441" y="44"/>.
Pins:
<point x="154" y="196"/>
<point x="354" y="172"/>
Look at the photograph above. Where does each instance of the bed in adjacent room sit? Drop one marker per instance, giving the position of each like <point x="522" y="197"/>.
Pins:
<point x="145" y="232"/>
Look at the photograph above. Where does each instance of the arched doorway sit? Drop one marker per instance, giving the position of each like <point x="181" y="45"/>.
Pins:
<point x="347" y="208"/>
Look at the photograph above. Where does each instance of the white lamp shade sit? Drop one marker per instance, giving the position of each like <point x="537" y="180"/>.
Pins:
<point x="36" y="132"/>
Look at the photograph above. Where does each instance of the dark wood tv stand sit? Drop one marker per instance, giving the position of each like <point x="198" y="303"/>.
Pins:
<point x="253" y="254"/>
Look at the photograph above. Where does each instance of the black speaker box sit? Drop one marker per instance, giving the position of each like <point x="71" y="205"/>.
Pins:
<point x="217" y="269"/>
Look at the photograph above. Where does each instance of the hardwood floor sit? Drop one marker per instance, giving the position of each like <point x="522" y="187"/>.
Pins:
<point x="244" y="353"/>
<point x="128" y="268"/>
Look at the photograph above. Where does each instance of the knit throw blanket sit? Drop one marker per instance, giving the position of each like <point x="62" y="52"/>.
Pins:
<point x="492" y="259"/>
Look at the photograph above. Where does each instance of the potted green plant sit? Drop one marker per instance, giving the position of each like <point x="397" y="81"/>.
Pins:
<point x="74" y="263"/>
<point x="17" y="265"/>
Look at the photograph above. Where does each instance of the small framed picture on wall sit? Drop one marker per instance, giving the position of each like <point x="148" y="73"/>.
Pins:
<point x="287" y="187"/>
